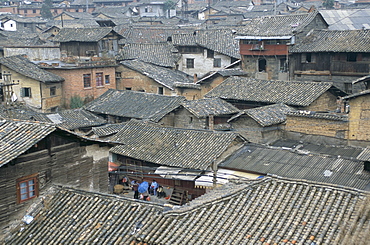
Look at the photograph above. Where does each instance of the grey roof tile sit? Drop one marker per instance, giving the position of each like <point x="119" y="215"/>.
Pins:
<point x="71" y="119"/>
<point x="209" y="106"/>
<point x="271" y="211"/>
<point x="16" y="137"/>
<point x="132" y="104"/>
<point x="175" y="147"/>
<point x="82" y="34"/>
<point x="164" y="76"/>
<point x="334" y="41"/>
<point x="313" y="114"/>
<point x="347" y="19"/>
<point x="267" y="115"/>
<point x="25" y="67"/>
<point x="286" y="92"/>
<point x="364" y="155"/>
<point x="107" y="130"/>
<point x="279" y="25"/>
<point x="299" y="165"/>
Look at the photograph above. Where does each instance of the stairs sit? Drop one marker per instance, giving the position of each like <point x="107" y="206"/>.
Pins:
<point x="178" y="197"/>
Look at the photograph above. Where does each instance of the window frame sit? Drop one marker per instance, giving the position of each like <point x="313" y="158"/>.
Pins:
<point x="106" y="79"/>
<point x="217" y="62"/>
<point x="99" y="79"/>
<point x="87" y="80"/>
<point x="189" y="63"/>
<point x="27" y="179"/>
<point x="160" y="90"/>
<point x="53" y="91"/>
<point x="24" y="94"/>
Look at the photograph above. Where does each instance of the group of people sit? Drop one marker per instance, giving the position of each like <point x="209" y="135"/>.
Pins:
<point x="145" y="190"/>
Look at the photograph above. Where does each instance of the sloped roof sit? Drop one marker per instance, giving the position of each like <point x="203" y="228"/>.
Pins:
<point x="76" y="15"/>
<point x="161" y="54"/>
<point x="164" y="76"/>
<point x="184" y="39"/>
<point x="266" y="115"/>
<point x="364" y="155"/>
<point x="71" y="119"/>
<point x="76" y="23"/>
<point x="82" y="34"/>
<point x="347" y="19"/>
<point x="16" y="137"/>
<point x="25" y="67"/>
<point x="279" y="25"/>
<point x="290" y="164"/>
<point x="169" y="146"/>
<point x="334" y="41"/>
<point x="267" y="211"/>
<point x="108" y="129"/>
<point x="222" y="41"/>
<point x="209" y="106"/>
<point x="90" y="216"/>
<point x="286" y="92"/>
<point x="313" y="114"/>
<point x="19" y="38"/>
<point x="134" y="104"/>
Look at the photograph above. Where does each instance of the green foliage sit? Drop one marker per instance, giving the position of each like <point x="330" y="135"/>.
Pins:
<point x="328" y="4"/>
<point x="46" y="9"/>
<point x="76" y="102"/>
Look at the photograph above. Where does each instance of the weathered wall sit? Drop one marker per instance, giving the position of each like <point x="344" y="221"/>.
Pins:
<point x="69" y="164"/>
<point x="136" y="81"/>
<point x="326" y="102"/>
<point x="359" y="118"/>
<point x="34" y="53"/>
<point x="316" y="126"/>
<point x="250" y="65"/>
<point x="184" y="119"/>
<point x="74" y="83"/>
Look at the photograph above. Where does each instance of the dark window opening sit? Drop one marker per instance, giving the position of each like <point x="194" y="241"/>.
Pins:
<point x="351" y="57"/>
<point x="99" y="79"/>
<point x="107" y="80"/>
<point x="127" y="88"/>
<point x="189" y="63"/>
<point x="53" y="91"/>
<point x="262" y="65"/>
<point x="217" y="62"/>
<point x="308" y="57"/>
<point x="87" y="80"/>
<point x="26" y="92"/>
<point x="210" y="53"/>
<point x="160" y="90"/>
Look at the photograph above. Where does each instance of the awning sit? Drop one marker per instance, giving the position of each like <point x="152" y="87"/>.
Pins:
<point x="223" y="177"/>
<point x="177" y="173"/>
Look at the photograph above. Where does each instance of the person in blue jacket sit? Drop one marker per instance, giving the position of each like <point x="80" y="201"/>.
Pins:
<point x="153" y="188"/>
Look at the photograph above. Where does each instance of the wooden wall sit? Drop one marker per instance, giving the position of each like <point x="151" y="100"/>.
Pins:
<point x="65" y="164"/>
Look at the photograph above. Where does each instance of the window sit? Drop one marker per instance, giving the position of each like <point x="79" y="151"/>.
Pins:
<point x="160" y="90"/>
<point x="189" y="63"/>
<point x="351" y="57"/>
<point x="127" y="88"/>
<point x="118" y="75"/>
<point x="34" y="11"/>
<point x="25" y="11"/>
<point x="210" y="53"/>
<point x="99" y="79"/>
<point x="25" y="92"/>
<point x="106" y="79"/>
<point x="348" y="88"/>
<point x="27" y="188"/>
<point x="308" y="58"/>
<point x="53" y="91"/>
<point x="87" y="80"/>
<point x="217" y="62"/>
<point x="77" y="10"/>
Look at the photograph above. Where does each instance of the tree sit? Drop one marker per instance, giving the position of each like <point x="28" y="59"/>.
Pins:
<point x="328" y="4"/>
<point x="46" y="9"/>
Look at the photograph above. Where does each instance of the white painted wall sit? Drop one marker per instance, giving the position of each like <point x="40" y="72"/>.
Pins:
<point x="9" y="25"/>
<point x="202" y="64"/>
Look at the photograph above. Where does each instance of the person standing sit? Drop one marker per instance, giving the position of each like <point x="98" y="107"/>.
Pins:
<point x="153" y="187"/>
<point x="135" y="187"/>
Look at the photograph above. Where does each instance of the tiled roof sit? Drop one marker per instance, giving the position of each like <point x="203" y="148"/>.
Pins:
<point x="25" y="67"/>
<point x="16" y="137"/>
<point x="286" y="92"/>
<point x="108" y="129"/>
<point x="78" y="23"/>
<point x="351" y="96"/>
<point x="23" y="19"/>
<point x="313" y="114"/>
<point x="268" y="211"/>
<point x="71" y="119"/>
<point x="279" y="25"/>
<point x="76" y="216"/>
<point x="209" y="106"/>
<point x="222" y="41"/>
<point x="232" y="72"/>
<point x="19" y="38"/>
<point x="164" y="76"/>
<point x="267" y="115"/>
<point x="76" y="15"/>
<point x="334" y="41"/>
<point x="82" y="34"/>
<point x="161" y="54"/>
<point x="290" y="164"/>
<point x="347" y="19"/>
<point x="184" y="39"/>
<point x="17" y="111"/>
<point x="364" y="155"/>
<point x="134" y="104"/>
<point x="175" y="147"/>
<point x="112" y="11"/>
<point x="333" y="150"/>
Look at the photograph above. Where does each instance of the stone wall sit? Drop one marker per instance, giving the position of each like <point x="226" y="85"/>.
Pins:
<point x="326" y="102"/>
<point x="359" y="118"/>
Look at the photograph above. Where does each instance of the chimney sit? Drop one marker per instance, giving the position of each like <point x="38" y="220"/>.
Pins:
<point x="195" y="78"/>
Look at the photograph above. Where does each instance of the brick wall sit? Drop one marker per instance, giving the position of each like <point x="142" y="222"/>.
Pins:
<point x="359" y="118"/>
<point x="326" y="102"/>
